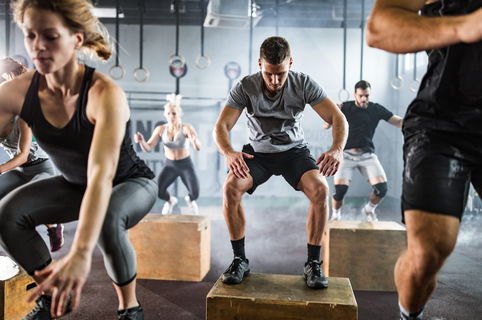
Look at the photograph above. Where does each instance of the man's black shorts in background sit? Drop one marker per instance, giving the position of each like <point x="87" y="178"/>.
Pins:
<point x="438" y="169"/>
<point x="291" y="164"/>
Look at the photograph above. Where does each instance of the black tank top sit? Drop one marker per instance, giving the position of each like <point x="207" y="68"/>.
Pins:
<point x="450" y="95"/>
<point x="69" y="146"/>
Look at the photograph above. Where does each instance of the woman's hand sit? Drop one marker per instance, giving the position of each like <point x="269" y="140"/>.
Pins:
<point x="65" y="278"/>
<point x="138" y="137"/>
<point x="192" y="135"/>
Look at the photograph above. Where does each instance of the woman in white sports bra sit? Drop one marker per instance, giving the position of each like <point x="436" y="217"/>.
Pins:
<point x="176" y="137"/>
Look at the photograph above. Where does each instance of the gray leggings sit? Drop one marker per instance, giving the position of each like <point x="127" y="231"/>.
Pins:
<point x="54" y="200"/>
<point x="183" y="168"/>
<point x="19" y="176"/>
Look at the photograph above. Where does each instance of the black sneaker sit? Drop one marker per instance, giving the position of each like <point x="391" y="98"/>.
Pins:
<point x="134" y="313"/>
<point x="42" y="309"/>
<point x="238" y="269"/>
<point x="314" y="275"/>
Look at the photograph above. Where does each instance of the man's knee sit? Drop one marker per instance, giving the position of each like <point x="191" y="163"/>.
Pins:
<point x="380" y="189"/>
<point x="340" y="191"/>
<point x="317" y="190"/>
<point x="234" y="188"/>
<point x="429" y="261"/>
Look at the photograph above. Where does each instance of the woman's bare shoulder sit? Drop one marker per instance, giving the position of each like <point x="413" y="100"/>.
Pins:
<point x="13" y="92"/>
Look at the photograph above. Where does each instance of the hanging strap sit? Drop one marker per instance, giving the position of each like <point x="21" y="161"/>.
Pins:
<point x="177" y="55"/>
<point x="141" y="43"/>
<point x="208" y="61"/>
<point x="397" y="76"/>
<point x="7" y="28"/>
<point x="345" y="18"/>
<point x="250" y="34"/>
<point x="414" y="80"/>
<point x="362" y="27"/>
<point x="277" y="17"/>
<point x="117" y="46"/>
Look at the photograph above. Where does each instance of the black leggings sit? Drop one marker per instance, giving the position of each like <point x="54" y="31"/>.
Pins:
<point x="54" y="200"/>
<point x="183" y="168"/>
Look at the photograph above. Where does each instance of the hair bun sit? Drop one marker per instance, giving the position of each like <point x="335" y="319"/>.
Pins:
<point x="174" y="99"/>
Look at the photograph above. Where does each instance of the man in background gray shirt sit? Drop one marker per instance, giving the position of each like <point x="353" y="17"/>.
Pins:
<point x="274" y="100"/>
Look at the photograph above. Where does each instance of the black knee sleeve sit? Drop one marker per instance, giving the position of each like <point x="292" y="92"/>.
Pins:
<point x="340" y="191"/>
<point x="380" y="189"/>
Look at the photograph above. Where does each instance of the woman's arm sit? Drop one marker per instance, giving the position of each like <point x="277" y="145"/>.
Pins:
<point x="70" y="273"/>
<point x="151" y="144"/>
<point x="24" y="143"/>
<point x="189" y="132"/>
<point x="12" y="95"/>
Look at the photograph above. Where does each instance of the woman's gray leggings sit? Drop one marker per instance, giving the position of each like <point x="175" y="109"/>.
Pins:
<point x="19" y="176"/>
<point x="54" y="200"/>
<point x="183" y="168"/>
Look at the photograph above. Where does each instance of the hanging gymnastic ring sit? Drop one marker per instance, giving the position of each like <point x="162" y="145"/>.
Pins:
<point x="122" y="69"/>
<point x="208" y="61"/>
<point x="410" y="85"/>
<point x="143" y="69"/>
<point x="393" y="85"/>
<point x="178" y="56"/>
<point x="339" y="95"/>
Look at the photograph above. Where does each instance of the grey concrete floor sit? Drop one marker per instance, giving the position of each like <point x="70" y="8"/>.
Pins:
<point x="276" y="243"/>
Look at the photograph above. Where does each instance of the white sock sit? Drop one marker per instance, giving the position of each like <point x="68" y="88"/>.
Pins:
<point x="369" y="207"/>
<point x="410" y="316"/>
<point x="335" y="211"/>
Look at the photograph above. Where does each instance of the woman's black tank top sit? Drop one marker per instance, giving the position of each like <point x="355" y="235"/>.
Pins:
<point x="69" y="146"/>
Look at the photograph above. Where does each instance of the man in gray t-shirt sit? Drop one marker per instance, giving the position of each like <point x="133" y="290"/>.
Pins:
<point x="274" y="100"/>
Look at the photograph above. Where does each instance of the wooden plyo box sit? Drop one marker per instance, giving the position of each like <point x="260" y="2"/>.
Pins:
<point x="172" y="247"/>
<point x="364" y="252"/>
<point x="271" y="296"/>
<point x="15" y="286"/>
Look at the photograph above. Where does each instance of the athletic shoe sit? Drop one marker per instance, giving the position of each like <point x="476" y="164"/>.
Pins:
<point x="134" y="313"/>
<point x="167" y="209"/>
<point x="42" y="309"/>
<point x="56" y="235"/>
<point x="193" y="209"/>
<point x="238" y="269"/>
<point x="314" y="275"/>
<point x="335" y="216"/>
<point x="371" y="216"/>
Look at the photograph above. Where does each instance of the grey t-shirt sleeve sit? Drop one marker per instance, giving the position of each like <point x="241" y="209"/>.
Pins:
<point x="237" y="98"/>
<point x="314" y="92"/>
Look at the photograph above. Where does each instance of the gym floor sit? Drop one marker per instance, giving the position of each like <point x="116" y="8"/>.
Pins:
<point x="276" y="243"/>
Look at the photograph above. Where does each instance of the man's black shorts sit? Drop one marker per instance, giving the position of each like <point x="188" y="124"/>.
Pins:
<point x="291" y="164"/>
<point x="438" y="169"/>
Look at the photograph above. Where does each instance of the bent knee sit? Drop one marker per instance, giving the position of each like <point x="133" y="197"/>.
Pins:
<point x="234" y="187"/>
<point x="429" y="262"/>
<point x="317" y="191"/>
<point x="380" y="189"/>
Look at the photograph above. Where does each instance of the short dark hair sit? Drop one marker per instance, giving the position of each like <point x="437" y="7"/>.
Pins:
<point x="362" y="84"/>
<point x="275" y="50"/>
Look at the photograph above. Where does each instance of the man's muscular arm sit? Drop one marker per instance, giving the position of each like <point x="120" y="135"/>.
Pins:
<point x="234" y="160"/>
<point x="396" y="121"/>
<point x="396" y="26"/>
<point x="327" y="125"/>
<point x="330" y="160"/>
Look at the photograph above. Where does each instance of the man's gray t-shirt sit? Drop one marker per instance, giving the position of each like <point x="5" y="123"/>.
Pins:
<point x="275" y="123"/>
